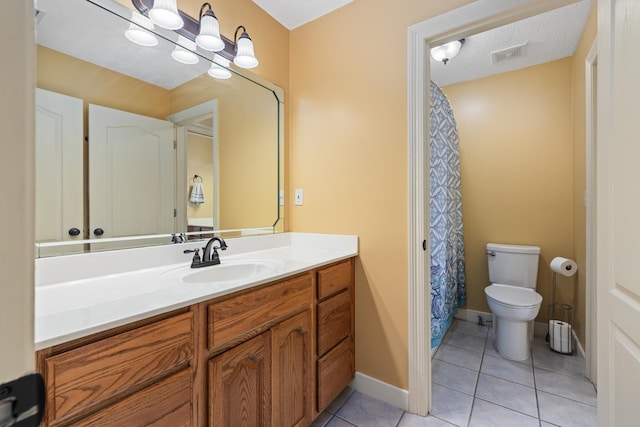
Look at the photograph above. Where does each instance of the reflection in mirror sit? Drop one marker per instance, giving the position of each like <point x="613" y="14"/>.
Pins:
<point x="123" y="129"/>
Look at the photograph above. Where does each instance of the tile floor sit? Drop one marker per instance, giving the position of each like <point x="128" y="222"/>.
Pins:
<point x="473" y="386"/>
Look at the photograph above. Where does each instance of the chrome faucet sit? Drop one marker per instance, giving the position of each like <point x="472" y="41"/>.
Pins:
<point x="209" y="253"/>
<point x="178" y="238"/>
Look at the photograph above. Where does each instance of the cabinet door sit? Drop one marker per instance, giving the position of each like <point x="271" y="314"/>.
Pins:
<point x="240" y="385"/>
<point x="292" y="364"/>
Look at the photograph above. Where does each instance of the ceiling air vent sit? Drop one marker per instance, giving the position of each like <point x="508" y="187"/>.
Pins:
<point x="509" y="53"/>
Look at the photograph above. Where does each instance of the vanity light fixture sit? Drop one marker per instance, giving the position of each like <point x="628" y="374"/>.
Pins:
<point x="447" y="51"/>
<point x="138" y="31"/>
<point x="217" y="71"/>
<point x="245" y="58"/>
<point x="209" y="36"/>
<point x="204" y="31"/>
<point x="164" y="13"/>
<point x="183" y="51"/>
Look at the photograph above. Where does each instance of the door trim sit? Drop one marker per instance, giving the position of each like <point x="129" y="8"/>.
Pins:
<point x="182" y="120"/>
<point x="472" y="18"/>
<point x="591" y="202"/>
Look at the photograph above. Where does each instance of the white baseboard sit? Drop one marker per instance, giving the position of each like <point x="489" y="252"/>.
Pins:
<point x="578" y="343"/>
<point x="380" y="390"/>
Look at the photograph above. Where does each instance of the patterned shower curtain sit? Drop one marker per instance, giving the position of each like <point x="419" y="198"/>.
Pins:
<point x="448" y="282"/>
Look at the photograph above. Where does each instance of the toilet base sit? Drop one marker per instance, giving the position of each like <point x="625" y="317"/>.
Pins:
<point x="513" y="338"/>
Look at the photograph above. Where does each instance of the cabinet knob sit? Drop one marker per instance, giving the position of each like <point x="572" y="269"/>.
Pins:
<point x="74" y="231"/>
<point x="98" y="232"/>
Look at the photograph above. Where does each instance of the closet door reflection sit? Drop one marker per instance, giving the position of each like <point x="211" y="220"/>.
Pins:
<point x="59" y="178"/>
<point x="131" y="174"/>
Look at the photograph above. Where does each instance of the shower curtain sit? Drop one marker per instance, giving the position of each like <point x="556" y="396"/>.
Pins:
<point x="448" y="282"/>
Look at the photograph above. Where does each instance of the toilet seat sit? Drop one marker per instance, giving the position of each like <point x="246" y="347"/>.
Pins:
<point x="513" y="296"/>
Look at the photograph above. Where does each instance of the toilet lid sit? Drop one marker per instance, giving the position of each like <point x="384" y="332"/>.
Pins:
<point x="513" y="295"/>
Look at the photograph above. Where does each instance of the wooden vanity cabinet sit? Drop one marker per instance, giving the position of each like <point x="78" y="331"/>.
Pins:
<point x="275" y="355"/>
<point x="136" y="377"/>
<point x="335" y="331"/>
<point x="265" y="381"/>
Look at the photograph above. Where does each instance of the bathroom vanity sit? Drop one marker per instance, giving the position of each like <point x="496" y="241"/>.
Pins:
<point x="273" y="349"/>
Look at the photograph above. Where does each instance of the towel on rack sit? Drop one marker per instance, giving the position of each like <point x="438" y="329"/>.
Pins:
<point x="197" y="193"/>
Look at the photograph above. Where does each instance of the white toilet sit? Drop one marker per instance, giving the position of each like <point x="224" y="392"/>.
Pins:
<point x="513" y="272"/>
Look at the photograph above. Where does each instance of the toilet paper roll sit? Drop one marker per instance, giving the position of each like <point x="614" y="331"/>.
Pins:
<point x="565" y="266"/>
<point x="560" y="336"/>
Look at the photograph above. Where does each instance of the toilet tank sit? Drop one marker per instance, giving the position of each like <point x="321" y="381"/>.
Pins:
<point x="513" y="264"/>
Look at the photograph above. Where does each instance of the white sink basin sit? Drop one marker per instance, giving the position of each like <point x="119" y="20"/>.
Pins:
<point x="231" y="271"/>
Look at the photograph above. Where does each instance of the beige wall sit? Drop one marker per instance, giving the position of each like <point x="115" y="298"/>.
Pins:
<point x="579" y="173"/>
<point x="17" y="82"/>
<point x="348" y="151"/>
<point x="516" y="164"/>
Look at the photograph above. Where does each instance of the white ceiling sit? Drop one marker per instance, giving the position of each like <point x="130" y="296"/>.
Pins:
<point x="294" y="13"/>
<point x="548" y="36"/>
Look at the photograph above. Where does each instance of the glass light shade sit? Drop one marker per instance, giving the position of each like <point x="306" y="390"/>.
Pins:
<point x="165" y="14"/>
<point x="446" y="51"/>
<point x="183" y="51"/>
<point x="209" y="36"/>
<point x="245" y="58"/>
<point x="217" y="71"/>
<point x="137" y="31"/>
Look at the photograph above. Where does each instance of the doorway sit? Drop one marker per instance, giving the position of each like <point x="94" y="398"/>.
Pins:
<point x="443" y="28"/>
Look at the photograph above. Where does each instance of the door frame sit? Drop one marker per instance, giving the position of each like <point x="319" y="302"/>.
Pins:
<point x="472" y="18"/>
<point x="591" y="64"/>
<point x="183" y="120"/>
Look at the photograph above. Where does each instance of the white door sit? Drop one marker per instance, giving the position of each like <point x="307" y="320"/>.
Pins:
<point x="59" y="179"/>
<point x="618" y="213"/>
<point x="131" y="174"/>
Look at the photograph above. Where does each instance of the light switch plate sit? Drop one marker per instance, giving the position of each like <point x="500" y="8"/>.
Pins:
<point x="299" y="197"/>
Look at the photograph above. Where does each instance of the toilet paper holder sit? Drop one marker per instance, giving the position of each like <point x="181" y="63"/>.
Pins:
<point x="560" y="330"/>
<point x="560" y="320"/>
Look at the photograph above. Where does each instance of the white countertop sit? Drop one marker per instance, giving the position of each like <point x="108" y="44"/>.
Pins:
<point x="78" y="295"/>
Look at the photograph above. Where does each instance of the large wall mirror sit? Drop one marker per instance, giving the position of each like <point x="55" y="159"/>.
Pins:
<point x="133" y="147"/>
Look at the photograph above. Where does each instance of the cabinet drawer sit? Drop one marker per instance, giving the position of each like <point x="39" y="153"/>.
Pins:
<point x="334" y="321"/>
<point x="333" y="279"/>
<point x="166" y="403"/>
<point x="80" y="378"/>
<point x="335" y="372"/>
<point x="230" y="319"/>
